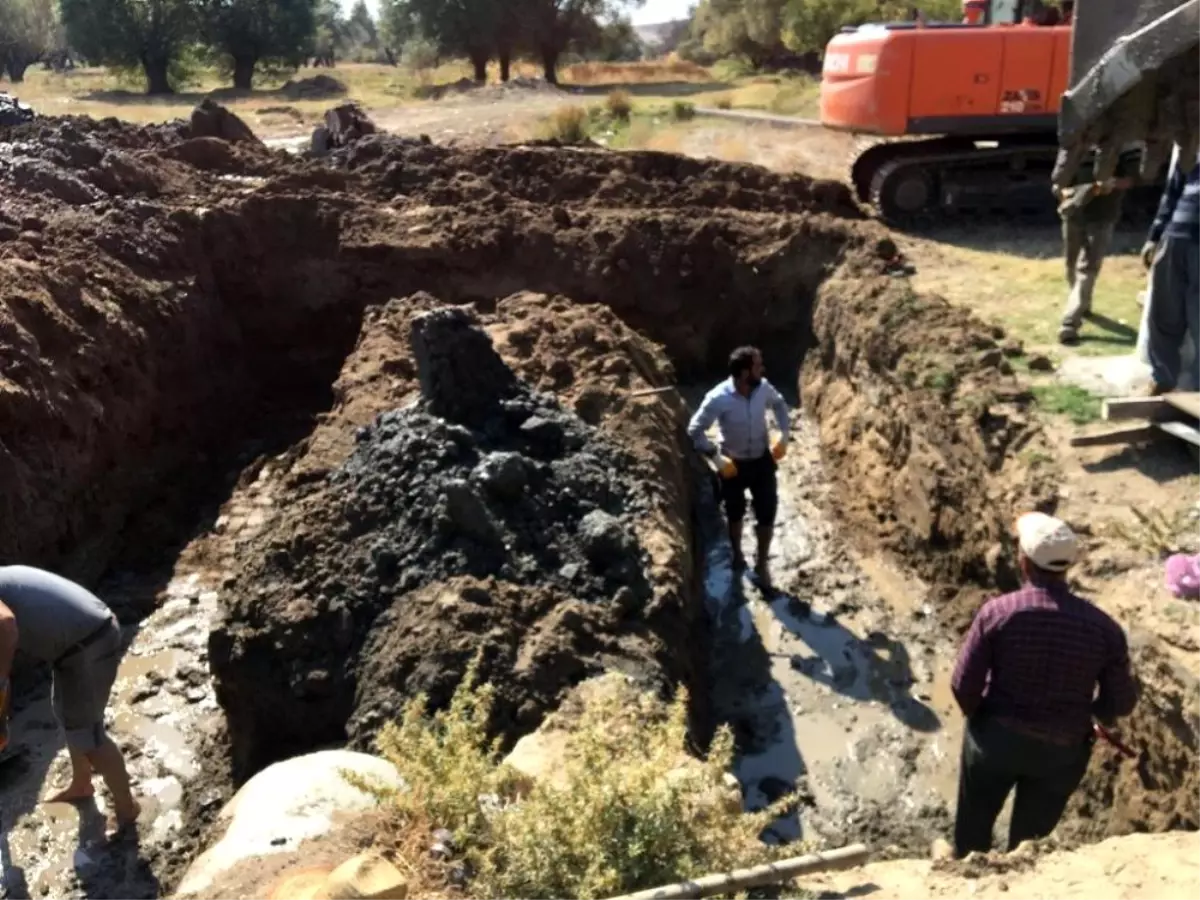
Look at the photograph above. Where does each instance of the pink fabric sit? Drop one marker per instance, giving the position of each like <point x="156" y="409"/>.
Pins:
<point x="1183" y="575"/>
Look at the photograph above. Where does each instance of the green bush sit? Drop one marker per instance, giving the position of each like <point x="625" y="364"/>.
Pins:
<point x="683" y="111"/>
<point x="625" y="816"/>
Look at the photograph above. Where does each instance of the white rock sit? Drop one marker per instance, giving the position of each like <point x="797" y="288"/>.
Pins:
<point x="284" y="805"/>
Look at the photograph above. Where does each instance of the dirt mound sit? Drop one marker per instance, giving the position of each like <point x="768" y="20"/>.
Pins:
<point x="483" y="478"/>
<point x="598" y="178"/>
<point x="318" y="87"/>
<point x="212" y="120"/>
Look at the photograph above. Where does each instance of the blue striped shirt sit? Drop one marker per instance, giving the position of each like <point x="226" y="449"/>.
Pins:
<point x="742" y="421"/>
<point x="1179" y="210"/>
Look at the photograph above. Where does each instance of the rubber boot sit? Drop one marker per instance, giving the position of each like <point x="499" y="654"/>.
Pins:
<point x="761" y="567"/>
<point x="735" y="541"/>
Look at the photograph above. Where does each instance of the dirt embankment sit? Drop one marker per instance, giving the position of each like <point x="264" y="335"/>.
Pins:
<point x="163" y="296"/>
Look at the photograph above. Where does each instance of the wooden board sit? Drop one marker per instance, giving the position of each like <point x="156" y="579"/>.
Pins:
<point x="1135" y="408"/>
<point x="1186" y="402"/>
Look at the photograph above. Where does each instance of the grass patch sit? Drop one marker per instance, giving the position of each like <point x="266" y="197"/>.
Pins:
<point x="619" y="105"/>
<point x="1070" y="400"/>
<point x="649" y="72"/>
<point x="623" y="816"/>
<point x="1155" y="532"/>
<point x="569" y="124"/>
<point x="683" y="110"/>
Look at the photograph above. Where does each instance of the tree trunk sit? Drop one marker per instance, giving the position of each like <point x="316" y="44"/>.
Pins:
<point x="15" y="66"/>
<point x="156" y="76"/>
<point x="550" y="64"/>
<point x="243" y="72"/>
<point x="505" y="64"/>
<point x="479" y="61"/>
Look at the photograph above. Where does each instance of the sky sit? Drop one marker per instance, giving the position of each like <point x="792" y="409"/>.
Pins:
<point x="651" y="12"/>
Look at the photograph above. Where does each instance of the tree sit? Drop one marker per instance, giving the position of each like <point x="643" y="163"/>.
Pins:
<point x="150" y="34"/>
<point x="360" y="28"/>
<point x="330" y="36"/>
<point x="28" y="31"/>
<point x="618" y="42"/>
<point x="251" y="32"/>
<point x="462" y="28"/>
<point x="553" y="26"/>
<point x="752" y="29"/>
<point x="397" y="23"/>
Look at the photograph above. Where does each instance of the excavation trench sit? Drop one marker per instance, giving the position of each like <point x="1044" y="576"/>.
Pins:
<point x="228" y="336"/>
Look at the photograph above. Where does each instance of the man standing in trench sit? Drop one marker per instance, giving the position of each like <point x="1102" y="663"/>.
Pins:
<point x="56" y="621"/>
<point x="1172" y="254"/>
<point x="746" y="459"/>
<point x="1026" y="681"/>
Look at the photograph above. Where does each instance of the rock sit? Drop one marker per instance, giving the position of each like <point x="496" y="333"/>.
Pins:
<point x="605" y="540"/>
<point x="504" y="475"/>
<point x="462" y="377"/>
<point x="211" y="119"/>
<point x="347" y="123"/>
<point x="540" y="756"/>
<point x="1040" y="363"/>
<point x="368" y="876"/>
<point x="281" y="807"/>
<point x="13" y="111"/>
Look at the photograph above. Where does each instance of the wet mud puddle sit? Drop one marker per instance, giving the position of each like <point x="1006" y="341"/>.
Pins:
<point x="836" y="683"/>
<point x="161" y="704"/>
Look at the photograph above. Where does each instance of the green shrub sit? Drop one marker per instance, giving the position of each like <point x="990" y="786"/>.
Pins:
<point x="683" y="111"/>
<point x="625" y="816"/>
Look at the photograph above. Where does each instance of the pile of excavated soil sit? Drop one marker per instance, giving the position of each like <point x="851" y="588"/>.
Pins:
<point x="482" y="517"/>
<point x="162" y="296"/>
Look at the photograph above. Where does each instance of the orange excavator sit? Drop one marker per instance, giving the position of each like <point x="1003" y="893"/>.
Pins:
<point x="956" y="117"/>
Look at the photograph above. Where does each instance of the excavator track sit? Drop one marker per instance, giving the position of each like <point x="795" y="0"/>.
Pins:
<point x="935" y="181"/>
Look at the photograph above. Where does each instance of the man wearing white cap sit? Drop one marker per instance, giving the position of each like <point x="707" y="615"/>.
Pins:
<point x="1026" y="681"/>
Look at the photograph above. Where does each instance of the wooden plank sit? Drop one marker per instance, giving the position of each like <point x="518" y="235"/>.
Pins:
<point x="1135" y="408"/>
<point x="1181" y="430"/>
<point x="1128" y="435"/>
<point x="1185" y="401"/>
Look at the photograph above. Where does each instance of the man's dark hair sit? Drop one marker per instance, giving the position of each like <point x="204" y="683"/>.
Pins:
<point x="741" y="360"/>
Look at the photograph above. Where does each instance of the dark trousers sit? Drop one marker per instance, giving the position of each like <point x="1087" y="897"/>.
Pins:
<point x="995" y="759"/>
<point x="758" y="477"/>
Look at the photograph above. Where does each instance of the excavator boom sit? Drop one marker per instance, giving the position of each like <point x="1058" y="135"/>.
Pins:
<point x="1134" y="77"/>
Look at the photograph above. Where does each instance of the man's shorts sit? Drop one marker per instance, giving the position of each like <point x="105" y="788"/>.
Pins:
<point x="83" y="681"/>
<point x="758" y="477"/>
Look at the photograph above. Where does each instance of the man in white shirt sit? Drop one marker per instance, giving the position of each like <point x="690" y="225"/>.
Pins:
<point x="746" y="458"/>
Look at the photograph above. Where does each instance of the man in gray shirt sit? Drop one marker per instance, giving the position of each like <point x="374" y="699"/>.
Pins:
<point x="746" y="459"/>
<point x="58" y="622"/>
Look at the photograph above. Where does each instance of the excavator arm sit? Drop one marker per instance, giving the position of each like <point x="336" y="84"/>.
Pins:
<point x="1134" y="78"/>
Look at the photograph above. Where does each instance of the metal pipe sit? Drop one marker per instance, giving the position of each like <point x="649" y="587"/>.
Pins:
<point x="757" y="876"/>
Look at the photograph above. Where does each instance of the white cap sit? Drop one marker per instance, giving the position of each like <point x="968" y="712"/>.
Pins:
<point x="1049" y="543"/>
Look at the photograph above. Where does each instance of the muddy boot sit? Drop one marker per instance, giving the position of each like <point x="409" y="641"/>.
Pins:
<point x="1068" y="335"/>
<point x="761" y="567"/>
<point x="735" y="541"/>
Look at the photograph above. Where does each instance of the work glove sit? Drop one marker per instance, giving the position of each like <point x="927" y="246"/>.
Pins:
<point x="779" y="449"/>
<point x="725" y="466"/>
<point x="1148" y="250"/>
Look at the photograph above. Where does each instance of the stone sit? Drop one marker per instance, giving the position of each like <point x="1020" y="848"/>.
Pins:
<point x="604" y="538"/>
<point x="367" y="876"/>
<point x="281" y="807"/>
<point x="503" y="474"/>
<point x="1039" y="362"/>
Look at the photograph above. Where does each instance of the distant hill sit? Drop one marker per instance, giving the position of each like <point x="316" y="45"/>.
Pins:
<point x="662" y="37"/>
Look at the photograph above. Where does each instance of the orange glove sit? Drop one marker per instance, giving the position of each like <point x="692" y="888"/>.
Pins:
<point x="726" y="466"/>
<point x="779" y="449"/>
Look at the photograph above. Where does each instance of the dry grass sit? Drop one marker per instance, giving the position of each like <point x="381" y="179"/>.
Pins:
<point x="652" y="72"/>
<point x="619" y="105"/>
<point x="626" y="815"/>
<point x="569" y="124"/>
<point x="1015" y="278"/>
<point x="1155" y="532"/>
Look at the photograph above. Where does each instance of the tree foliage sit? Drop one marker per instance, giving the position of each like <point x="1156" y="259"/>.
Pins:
<point x="764" y="32"/>
<point x="248" y="33"/>
<point x="131" y="34"/>
<point x="28" y="32"/>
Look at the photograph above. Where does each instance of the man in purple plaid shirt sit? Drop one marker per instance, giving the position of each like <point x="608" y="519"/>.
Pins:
<point x="1026" y="680"/>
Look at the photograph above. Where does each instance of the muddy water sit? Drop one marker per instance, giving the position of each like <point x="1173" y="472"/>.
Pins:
<point x="836" y="683"/>
<point x="161" y="705"/>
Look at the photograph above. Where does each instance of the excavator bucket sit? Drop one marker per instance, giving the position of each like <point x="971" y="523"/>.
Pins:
<point x="1134" y="78"/>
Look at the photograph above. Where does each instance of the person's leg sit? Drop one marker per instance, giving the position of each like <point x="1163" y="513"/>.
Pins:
<point x="733" y="495"/>
<point x="1168" y="320"/>
<point x="1042" y="797"/>
<point x="1191" y="292"/>
<point x="1072" y="315"/>
<point x="1097" y="241"/>
<point x="66" y="684"/>
<point x="983" y="784"/>
<point x="764" y="494"/>
<point x="87" y="683"/>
